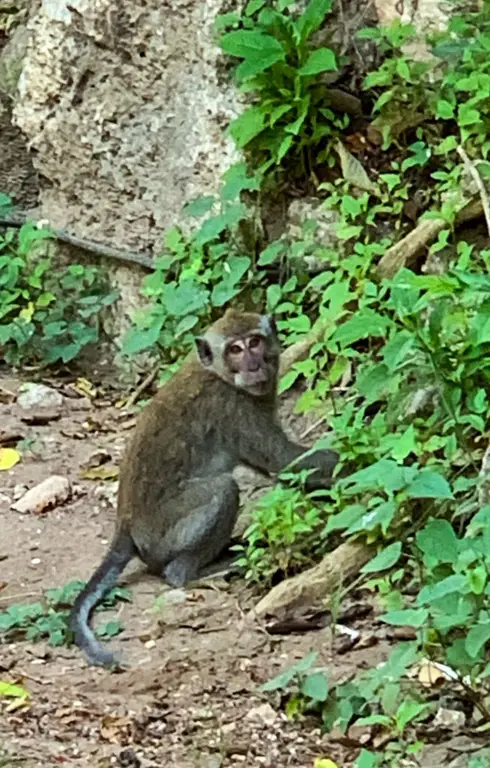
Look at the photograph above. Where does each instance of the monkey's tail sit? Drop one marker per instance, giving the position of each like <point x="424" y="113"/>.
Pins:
<point x="121" y="551"/>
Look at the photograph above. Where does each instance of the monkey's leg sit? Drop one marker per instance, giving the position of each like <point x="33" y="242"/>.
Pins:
<point x="209" y="511"/>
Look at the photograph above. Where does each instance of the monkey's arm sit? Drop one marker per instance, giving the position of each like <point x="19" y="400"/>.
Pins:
<point x="268" y="449"/>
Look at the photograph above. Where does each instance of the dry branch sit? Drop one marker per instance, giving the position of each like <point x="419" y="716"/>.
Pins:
<point x="404" y="252"/>
<point x="91" y="246"/>
<point x="300" y="350"/>
<point x="317" y="583"/>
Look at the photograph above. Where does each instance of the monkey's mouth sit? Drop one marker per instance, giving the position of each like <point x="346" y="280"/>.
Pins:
<point x="255" y="382"/>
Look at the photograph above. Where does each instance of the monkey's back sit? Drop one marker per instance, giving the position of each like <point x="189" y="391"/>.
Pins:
<point x="190" y="429"/>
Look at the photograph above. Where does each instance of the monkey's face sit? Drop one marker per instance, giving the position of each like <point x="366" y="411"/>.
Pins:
<point x="243" y="350"/>
<point x="251" y="364"/>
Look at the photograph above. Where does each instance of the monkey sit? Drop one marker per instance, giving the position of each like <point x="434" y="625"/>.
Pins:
<point x="178" y="501"/>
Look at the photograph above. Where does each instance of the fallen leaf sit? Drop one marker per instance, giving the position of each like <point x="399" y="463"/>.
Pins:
<point x="321" y="762"/>
<point x="9" y="457"/>
<point x="85" y="387"/>
<point x="104" y="472"/>
<point x="111" y="727"/>
<point x="13" y="691"/>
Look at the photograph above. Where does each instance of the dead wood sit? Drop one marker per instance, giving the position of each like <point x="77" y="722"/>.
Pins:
<point x="404" y="253"/>
<point x="301" y="349"/>
<point x="317" y="583"/>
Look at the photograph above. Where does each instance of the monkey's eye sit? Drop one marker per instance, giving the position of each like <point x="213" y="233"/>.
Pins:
<point x="254" y="342"/>
<point x="235" y="349"/>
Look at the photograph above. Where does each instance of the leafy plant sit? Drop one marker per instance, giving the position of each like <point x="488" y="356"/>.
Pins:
<point x="45" y="317"/>
<point x="290" y="119"/>
<point x="49" y="619"/>
<point x="283" y="534"/>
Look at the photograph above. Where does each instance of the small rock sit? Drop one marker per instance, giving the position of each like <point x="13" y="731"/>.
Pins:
<point x="19" y="491"/>
<point x="211" y="761"/>
<point x="264" y="712"/>
<point x="450" y="718"/>
<point x="39" y="416"/>
<point x="4" y="499"/>
<point x="150" y="644"/>
<point x="39" y="396"/>
<point x="50" y="493"/>
<point x="36" y="561"/>
<point x="175" y="596"/>
<point x="128" y="758"/>
<point x="96" y="459"/>
<point x="360" y="733"/>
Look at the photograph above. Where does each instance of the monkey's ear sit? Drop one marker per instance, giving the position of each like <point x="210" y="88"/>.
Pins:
<point x="204" y="351"/>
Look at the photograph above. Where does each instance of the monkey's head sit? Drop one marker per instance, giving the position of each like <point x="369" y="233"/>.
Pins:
<point x="242" y="348"/>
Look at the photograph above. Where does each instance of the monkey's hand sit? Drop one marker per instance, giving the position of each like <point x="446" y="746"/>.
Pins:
<point x="323" y="463"/>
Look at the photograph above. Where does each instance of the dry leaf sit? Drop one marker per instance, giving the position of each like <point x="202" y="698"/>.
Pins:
<point x="105" y="472"/>
<point x="353" y="171"/>
<point x="9" y="457"/>
<point x="85" y="387"/>
<point x="431" y="673"/>
<point x="112" y="726"/>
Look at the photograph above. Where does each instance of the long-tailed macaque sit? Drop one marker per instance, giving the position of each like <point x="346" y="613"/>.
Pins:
<point x="178" y="501"/>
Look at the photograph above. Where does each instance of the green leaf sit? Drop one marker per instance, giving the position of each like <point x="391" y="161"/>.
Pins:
<point x="429" y="485"/>
<point x="444" y="110"/>
<point x="259" y="51"/>
<point x="381" y="516"/>
<point x="282" y="680"/>
<point x="237" y="180"/>
<point x="137" y="340"/>
<point x="315" y="686"/>
<point x="457" y="582"/>
<point x="247" y="126"/>
<point x="199" y="206"/>
<point x="386" y="559"/>
<point x="312" y="18"/>
<point x="271" y="254"/>
<point x="321" y="60"/>
<point x="362" y="325"/>
<point x="408" y="711"/>
<point x="477" y="638"/>
<point x="366" y="760"/>
<point x="9" y="690"/>
<point x="438" y="542"/>
<point x="412" y="617"/>
<point x="405" y="444"/>
<point x="372" y="382"/>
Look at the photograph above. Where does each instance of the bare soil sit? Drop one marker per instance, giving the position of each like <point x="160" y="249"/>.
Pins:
<point x="190" y="697"/>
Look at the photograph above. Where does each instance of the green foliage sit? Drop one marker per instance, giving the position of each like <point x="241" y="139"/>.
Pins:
<point x="45" y="317"/>
<point x="196" y="274"/>
<point x="283" y="535"/>
<point x="379" y="697"/>
<point x="290" y="120"/>
<point x="456" y="91"/>
<point x="49" y="618"/>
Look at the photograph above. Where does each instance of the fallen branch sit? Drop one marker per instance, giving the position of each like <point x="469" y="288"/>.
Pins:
<point x="473" y="171"/>
<point x="317" y="583"/>
<point x="404" y="252"/>
<point x="145" y="384"/>
<point x="92" y="246"/>
<point x="301" y="349"/>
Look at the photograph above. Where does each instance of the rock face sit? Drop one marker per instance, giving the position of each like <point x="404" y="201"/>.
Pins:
<point x="121" y="102"/>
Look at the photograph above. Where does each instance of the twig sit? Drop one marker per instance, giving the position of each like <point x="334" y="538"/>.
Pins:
<point x="473" y="171"/>
<point x="312" y="428"/>
<point x="99" y="249"/>
<point x="20" y="596"/>
<point x="147" y="382"/>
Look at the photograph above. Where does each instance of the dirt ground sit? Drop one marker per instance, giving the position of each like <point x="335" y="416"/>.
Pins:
<point x="190" y="697"/>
